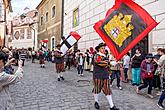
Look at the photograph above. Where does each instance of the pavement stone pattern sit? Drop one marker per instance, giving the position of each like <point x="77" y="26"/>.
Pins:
<point x="5" y="99"/>
<point x="40" y="90"/>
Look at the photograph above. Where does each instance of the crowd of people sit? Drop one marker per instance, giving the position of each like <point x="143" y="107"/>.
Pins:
<point x="145" y="71"/>
<point x="142" y="71"/>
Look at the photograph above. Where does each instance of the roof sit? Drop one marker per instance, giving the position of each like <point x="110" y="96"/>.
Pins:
<point x="41" y="3"/>
<point x="31" y="13"/>
<point x="26" y="18"/>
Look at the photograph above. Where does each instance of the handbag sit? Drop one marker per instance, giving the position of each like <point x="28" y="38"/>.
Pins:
<point x="148" y="75"/>
<point x="145" y="75"/>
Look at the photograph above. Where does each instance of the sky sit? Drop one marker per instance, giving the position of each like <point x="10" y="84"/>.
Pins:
<point x="19" y="5"/>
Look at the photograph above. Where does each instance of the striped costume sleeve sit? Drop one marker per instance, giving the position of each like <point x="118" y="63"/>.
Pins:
<point x="99" y="60"/>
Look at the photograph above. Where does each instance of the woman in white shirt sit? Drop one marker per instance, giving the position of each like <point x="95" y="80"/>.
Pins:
<point x="126" y="62"/>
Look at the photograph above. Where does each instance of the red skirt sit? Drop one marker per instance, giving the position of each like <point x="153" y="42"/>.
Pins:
<point x="60" y="68"/>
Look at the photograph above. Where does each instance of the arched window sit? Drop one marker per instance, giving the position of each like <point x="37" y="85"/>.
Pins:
<point x="42" y="19"/>
<point x="47" y="17"/>
<point x="53" y="43"/>
<point x="53" y="11"/>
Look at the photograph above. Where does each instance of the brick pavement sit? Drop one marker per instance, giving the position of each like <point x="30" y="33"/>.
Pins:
<point x="40" y="90"/>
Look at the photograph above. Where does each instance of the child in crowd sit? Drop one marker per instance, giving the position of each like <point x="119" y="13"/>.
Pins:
<point x="80" y="63"/>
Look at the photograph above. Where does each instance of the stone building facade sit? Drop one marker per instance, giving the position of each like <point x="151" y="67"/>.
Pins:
<point x="25" y="30"/>
<point x="81" y="15"/>
<point x="49" y="26"/>
<point x="5" y="21"/>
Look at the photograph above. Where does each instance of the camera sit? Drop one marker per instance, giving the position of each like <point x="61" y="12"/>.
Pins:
<point x="13" y="60"/>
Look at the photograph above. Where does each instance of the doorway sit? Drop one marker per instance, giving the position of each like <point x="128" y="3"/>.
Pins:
<point x="143" y="44"/>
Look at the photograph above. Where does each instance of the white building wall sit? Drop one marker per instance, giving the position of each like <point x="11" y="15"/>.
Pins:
<point x="22" y="43"/>
<point x="157" y="9"/>
<point x="91" y="11"/>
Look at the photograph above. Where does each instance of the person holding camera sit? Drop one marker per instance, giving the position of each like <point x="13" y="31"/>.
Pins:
<point x="6" y="79"/>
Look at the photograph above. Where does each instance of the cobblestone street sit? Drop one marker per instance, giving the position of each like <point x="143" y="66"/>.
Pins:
<point x="40" y="90"/>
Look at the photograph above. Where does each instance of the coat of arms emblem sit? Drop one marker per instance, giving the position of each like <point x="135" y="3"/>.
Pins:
<point x="119" y="28"/>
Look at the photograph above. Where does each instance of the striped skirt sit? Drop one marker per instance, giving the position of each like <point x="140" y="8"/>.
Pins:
<point x="60" y="68"/>
<point x="102" y="84"/>
<point x="42" y="61"/>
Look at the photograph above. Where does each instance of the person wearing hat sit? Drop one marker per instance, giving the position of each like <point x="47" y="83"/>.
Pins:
<point x="59" y="62"/>
<point x="41" y="58"/>
<point x="147" y="69"/>
<point x="101" y="79"/>
<point x="5" y="78"/>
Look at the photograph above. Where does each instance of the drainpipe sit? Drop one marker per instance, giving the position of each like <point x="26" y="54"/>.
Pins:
<point x="4" y="40"/>
<point x="62" y="19"/>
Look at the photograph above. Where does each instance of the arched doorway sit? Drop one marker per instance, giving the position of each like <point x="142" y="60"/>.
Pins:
<point x="143" y="44"/>
<point x="53" y="43"/>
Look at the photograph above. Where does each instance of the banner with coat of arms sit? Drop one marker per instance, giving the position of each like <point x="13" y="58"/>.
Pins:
<point x="125" y="24"/>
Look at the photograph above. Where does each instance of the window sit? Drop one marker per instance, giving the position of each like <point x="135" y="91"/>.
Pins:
<point x="35" y="14"/>
<point x="53" y="44"/>
<point x="29" y="34"/>
<point x="42" y="20"/>
<point x="22" y="32"/>
<point x="16" y="35"/>
<point x="53" y="11"/>
<point x="76" y="17"/>
<point x="46" y="16"/>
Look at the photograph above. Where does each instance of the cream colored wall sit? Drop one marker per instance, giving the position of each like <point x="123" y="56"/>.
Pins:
<point x="92" y="11"/>
<point x="53" y="26"/>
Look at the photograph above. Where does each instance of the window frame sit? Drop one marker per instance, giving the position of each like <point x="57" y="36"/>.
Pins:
<point x="22" y="33"/>
<point x="53" y="37"/>
<point x="42" y="20"/>
<point x="29" y="30"/>
<point x="78" y="15"/>
<point x="46" y="16"/>
<point x="54" y="11"/>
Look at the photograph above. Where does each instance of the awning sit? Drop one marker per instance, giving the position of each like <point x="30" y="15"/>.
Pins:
<point x="44" y="41"/>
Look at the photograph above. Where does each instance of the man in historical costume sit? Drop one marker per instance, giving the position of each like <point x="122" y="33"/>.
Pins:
<point x="59" y="62"/>
<point x="101" y="79"/>
<point x="41" y="58"/>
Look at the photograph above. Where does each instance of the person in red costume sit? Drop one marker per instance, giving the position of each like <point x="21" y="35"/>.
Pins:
<point x="101" y="79"/>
